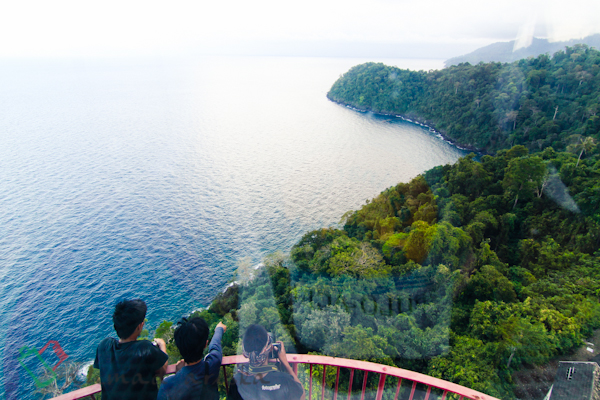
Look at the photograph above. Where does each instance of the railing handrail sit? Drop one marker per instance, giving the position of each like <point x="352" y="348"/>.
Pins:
<point x="382" y="370"/>
<point x="90" y="391"/>
<point x="376" y="368"/>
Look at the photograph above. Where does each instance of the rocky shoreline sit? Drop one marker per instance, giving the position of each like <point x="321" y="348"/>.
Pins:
<point x="415" y="120"/>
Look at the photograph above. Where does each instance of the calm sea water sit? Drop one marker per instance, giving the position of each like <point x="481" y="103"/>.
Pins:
<point x="152" y="178"/>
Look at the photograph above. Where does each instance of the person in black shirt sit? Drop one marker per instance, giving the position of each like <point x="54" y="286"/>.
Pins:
<point x="261" y="380"/>
<point x="128" y="366"/>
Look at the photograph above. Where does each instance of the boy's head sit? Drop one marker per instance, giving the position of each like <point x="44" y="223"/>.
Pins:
<point x="191" y="337"/>
<point x="128" y="315"/>
<point x="255" y="338"/>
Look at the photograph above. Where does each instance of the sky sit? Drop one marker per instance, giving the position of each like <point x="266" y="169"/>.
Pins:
<point x="352" y="28"/>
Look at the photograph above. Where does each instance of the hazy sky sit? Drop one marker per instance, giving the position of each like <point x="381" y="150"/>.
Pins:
<point x="397" y="28"/>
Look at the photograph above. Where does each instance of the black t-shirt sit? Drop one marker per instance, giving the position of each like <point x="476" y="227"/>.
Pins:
<point x="274" y="386"/>
<point x="127" y="370"/>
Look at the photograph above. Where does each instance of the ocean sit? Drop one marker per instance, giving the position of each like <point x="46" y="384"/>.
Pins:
<point x="153" y="177"/>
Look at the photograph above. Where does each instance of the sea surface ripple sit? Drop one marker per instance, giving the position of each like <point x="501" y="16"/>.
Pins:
<point x="152" y="178"/>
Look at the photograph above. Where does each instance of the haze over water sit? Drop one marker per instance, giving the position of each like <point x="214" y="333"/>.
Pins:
<point x="152" y="178"/>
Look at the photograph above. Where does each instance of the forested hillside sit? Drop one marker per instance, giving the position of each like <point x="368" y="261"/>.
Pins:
<point x="506" y="52"/>
<point x="538" y="102"/>
<point x="469" y="273"/>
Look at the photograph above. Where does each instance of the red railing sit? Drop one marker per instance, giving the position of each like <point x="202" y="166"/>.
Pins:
<point x="384" y="371"/>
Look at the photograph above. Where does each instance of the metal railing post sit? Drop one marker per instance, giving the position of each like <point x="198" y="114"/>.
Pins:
<point x="364" y="387"/>
<point x="380" y="386"/>
<point x="350" y="385"/>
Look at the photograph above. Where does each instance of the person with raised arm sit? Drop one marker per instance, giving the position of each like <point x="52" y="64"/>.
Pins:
<point x="196" y="377"/>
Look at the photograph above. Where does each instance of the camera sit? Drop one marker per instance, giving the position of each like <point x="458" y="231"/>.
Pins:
<point x="275" y="347"/>
<point x="275" y="350"/>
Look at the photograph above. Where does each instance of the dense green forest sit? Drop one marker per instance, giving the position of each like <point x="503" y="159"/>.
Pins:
<point x="537" y="102"/>
<point x="468" y="273"/>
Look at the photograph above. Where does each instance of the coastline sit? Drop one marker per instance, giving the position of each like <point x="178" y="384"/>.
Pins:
<point x="415" y="120"/>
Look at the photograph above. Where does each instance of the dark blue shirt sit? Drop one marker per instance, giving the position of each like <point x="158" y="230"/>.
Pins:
<point x="198" y="381"/>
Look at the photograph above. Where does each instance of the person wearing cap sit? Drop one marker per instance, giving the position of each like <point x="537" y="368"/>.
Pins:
<point x="260" y="380"/>
<point x="196" y="377"/>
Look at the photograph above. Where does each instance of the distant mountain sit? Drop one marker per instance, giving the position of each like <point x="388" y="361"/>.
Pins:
<point x="503" y="51"/>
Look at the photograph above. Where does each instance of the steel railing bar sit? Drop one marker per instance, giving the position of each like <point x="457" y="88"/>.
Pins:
<point x="225" y="377"/>
<point x="428" y="392"/>
<point x="364" y="387"/>
<point x="337" y="383"/>
<point x="380" y="386"/>
<point x="350" y="385"/>
<point x="323" y="383"/>
<point x="310" y="383"/>
<point x="412" y="392"/>
<point x="398" y="388"/>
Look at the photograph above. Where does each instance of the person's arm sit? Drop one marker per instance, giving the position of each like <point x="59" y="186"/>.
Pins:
<point x="215" y="350"/>
<point x="283" y="358"/>
<point x="180" y="364"/>
<point x="163" y="347"/>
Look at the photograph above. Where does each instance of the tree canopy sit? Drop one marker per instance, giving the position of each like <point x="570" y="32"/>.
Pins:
<point x="447" y="274"/>
<point x="471" y="271"/>
<point x="536" y="102"/>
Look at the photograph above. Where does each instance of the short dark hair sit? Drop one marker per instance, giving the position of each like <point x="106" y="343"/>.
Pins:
<point x="127" y="316"/>
<point x="255" y="338"/>
<point x="190" y="338"/>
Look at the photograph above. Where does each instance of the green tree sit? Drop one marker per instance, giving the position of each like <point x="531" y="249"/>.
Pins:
<point x="523" y="177"/>
<point x="419" y="240"/>
<point x="581" y="145"/>
<point x="348" y="256"/>
<point x="323" y="328"/>
<point x="361" y="343"/>
<point x="468" y="364"/>
<point x="489" y="284"/>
